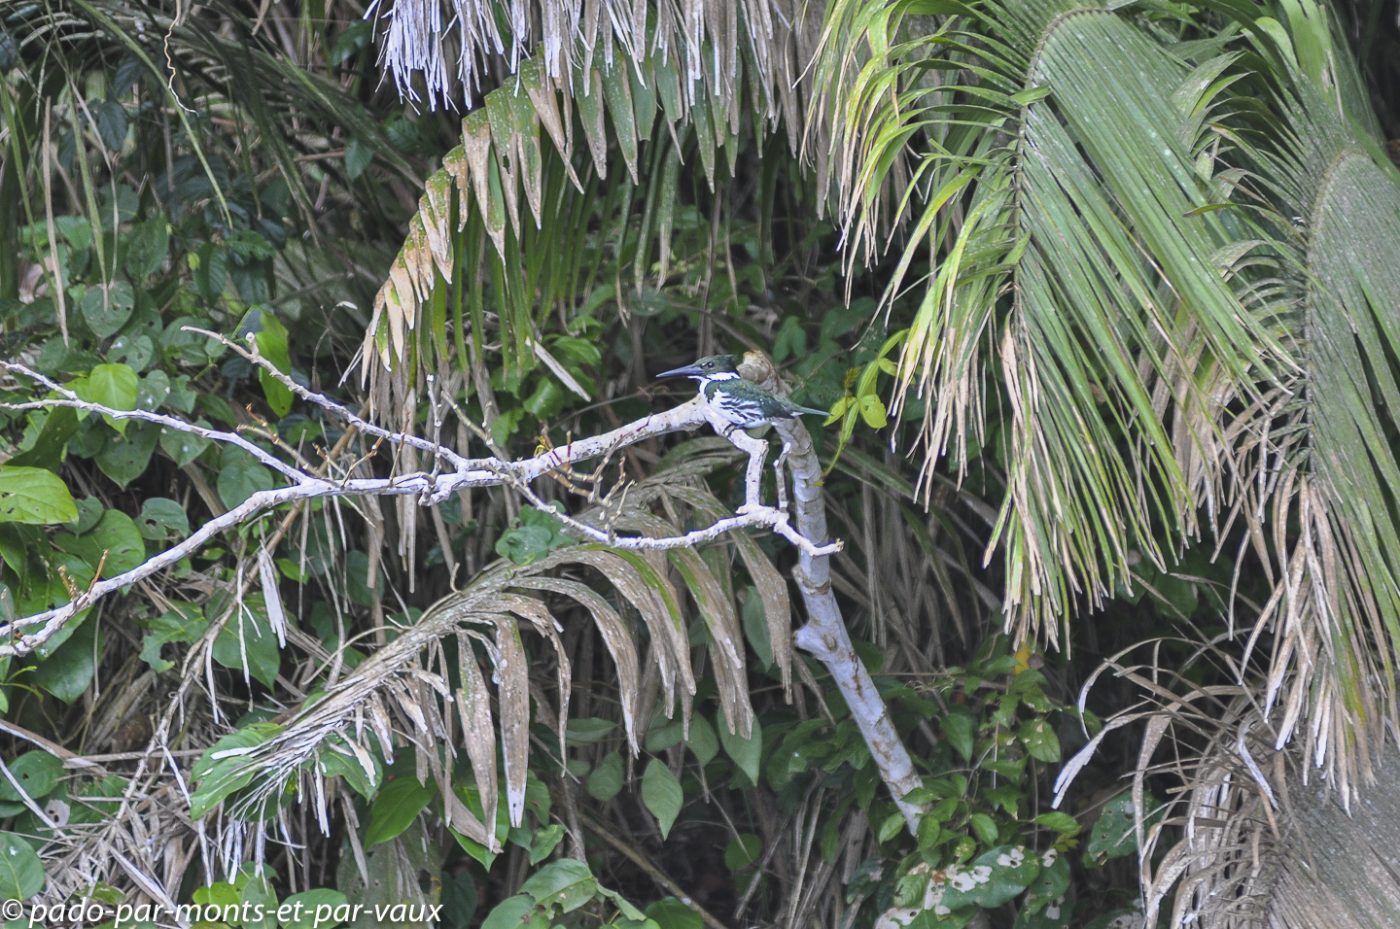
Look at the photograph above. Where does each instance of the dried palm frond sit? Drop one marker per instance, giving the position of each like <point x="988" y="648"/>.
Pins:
<point x="426" y="690"/>
<point x="622" y="86"/>
<point x="1280" y="854"/>
<point x="1250" y="841"/>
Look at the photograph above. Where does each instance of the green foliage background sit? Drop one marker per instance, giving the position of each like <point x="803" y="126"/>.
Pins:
<point x="260" y="185"/>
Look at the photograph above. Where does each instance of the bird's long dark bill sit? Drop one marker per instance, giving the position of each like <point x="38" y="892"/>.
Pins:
<point x="687" y="371"/>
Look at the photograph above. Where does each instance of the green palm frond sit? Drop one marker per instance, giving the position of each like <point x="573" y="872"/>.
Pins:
<point x="1079" y="276"/>
<point x="1325" y="521"/>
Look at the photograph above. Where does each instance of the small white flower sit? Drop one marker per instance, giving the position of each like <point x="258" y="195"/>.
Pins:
<point x="982" y="874"/>
<point x="1049" y="857"/>
<point x="1052" y="912"/>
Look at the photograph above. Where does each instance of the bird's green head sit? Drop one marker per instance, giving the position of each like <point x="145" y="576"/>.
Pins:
<point x="709" y="368"/>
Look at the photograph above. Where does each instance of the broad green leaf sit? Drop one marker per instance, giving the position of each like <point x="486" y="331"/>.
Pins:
<point x="136" y="351"/>
<point x="223" y="768"/>
<point x="358" y="156"/>
<point x="114" y="538"/>
<point x="960" y="729"/>
<point x="147" y="246"/>
<point x="48" y="447"/>
<point x="68" y="666"/>
<point x="872" y="410"/>
<point x="154" y="389"/>
<point x="586" y="731"/>
<point x="34" y="496"/>
<point x="891" y="827"/>
<point x="361" y="770"/>
<point x="272" y="344"/>
<point x="1053" y="880"/>
<point x="544" y="841"/>
<point x="240" y="476"/>
<point x="459" y="900"/>
<point x="260" y="903"/>
<point x="183" y="447"/>
<point x="746" y="753"/>
<point x="703" y="743"/>
<point x="114" y="386"/>
<point x="537" y="534"/>
<point x="743" y="851"/>
<point x="312" y="906"/>
<point x="671" y="913"/>
<point x="106" y="309"/>
<point x="118" y="536"/>
<point x="184" y="623"/>
<point x="21" y="871"/>
<point x="1040" y="740"/>
<point x="162" y="518"/>
<point x="398" y="804"/>
<point x="515" y="912"/>
<point x="248" y="635"/>
<point x="662" y="794"/>
<point x="37" y="773"/>
<point x="125" y="457"/>
<point x="1115" y="834"/>
<point x="605" y="780"/>
<point x="566" y="883"/>
<point x="1063" y="823"/>
<point x="984" y="827"/>
<point x="663" y="734"/>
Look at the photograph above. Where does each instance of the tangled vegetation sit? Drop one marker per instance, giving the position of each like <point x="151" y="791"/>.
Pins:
<point x="355" y="570"/>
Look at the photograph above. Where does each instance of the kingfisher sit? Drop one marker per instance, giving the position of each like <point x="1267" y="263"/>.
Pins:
<point x="741" y="402"/>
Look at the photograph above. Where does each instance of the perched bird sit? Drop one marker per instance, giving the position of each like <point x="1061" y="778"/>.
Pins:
<point x="742" y="403"/>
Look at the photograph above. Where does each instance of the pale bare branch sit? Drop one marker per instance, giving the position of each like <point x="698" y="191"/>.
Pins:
<point x="26" y="634"/>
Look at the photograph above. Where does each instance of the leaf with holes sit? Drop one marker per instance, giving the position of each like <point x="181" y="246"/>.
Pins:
<point x="34" y="496"/>
<point x="37" y="773"/>
<point x="566" y="884"/>
<point x="991" y="878"/>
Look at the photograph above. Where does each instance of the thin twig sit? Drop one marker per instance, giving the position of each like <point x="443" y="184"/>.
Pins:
<point x="662" y="879"/>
